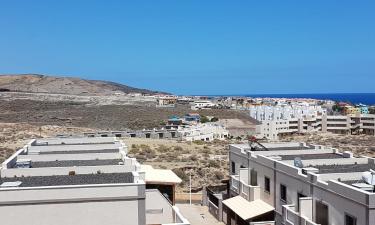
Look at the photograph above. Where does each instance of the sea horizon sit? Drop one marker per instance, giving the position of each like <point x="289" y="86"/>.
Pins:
<point x="355" y="98"/>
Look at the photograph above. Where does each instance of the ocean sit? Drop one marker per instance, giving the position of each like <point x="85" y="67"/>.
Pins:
<point x="355" y="98"/>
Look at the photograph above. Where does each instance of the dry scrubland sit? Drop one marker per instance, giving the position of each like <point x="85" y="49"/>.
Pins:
<point x="208" y="162"/>
<point x="359" y="144"/>
<point x="14" y="136"/>
<point x="100" y="117"/>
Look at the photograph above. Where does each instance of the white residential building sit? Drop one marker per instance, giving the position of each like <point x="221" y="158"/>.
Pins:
<point x="277" y="121"/>
<point x="296" y="183"/>
<point x="86" y="181"/>
<point x="203" y="132"/>
<point x="202" y="104"/>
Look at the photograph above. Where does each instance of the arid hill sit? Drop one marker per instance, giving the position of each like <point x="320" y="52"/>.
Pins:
<point x="64" y="85"/>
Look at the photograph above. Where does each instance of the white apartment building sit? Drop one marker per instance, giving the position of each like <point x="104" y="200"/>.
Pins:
<point x="203" y="132"/>
<point x="86" y="181"/>
<point x="296" y="183"/>
<point x="277" y="121"/>
<point x="202" y="104"/>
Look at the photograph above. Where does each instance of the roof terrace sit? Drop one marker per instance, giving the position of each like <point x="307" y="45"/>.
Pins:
<point x="69" y="163"/>
<point x="62" y="180"/>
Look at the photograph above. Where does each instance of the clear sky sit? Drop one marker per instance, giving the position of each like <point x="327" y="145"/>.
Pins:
<point x="196" y="47"/>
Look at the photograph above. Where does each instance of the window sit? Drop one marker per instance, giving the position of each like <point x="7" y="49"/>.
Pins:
<point x="350" y="220"/>
<point x="253" y="178"/>
<point x="267" y="187"/>
<point x="233" y="168"/>
<point x="283" y="193"/>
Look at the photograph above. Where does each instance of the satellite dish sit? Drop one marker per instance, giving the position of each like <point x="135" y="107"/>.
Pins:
<point x="298" y="162"/>
<point x="369" y="177"/>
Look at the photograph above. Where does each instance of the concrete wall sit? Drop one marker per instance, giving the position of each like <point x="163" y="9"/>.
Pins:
<point x="72" y="141"/>
<point x="60" y="157"/>
<point x="115" y="204"/>
<point x="48" y="171"/>
<point x="158" y="209"/>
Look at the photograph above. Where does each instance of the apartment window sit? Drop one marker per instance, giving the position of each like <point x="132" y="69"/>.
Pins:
<point x="253" y="178"/>
<point x="283" y="192"/>
<point x="267" y="187"/>
<point x="233" y="168"/>
<point x="350" y="220"/>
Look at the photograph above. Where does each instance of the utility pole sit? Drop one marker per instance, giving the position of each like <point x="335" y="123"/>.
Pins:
<point x="190" y="185"/>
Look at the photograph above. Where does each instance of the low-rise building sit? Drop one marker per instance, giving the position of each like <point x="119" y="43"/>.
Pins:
<point x="84" y="181"/>
<point x="279" y="121"/>
<point x="297" y="183"/>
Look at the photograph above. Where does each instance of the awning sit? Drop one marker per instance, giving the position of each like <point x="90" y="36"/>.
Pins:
<point x="159" y="176"/>
<point x="247" y="210"/>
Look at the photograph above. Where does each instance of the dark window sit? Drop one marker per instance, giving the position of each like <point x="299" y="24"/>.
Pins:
<point x="233" y="168"/>
<point x="267" y="187"/>
<point x="253" y="178"/>
<point x="283" y="192"/>
<point x="350" y="220"/>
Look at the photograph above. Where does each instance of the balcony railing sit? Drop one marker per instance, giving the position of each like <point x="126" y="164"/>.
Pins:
<point x="234" y="183"/>
<point x="246" y="191"/>
<point x="291" y="217"/>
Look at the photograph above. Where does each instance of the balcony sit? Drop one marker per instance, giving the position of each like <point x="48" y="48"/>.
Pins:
<point x="243" y="189"/>
<point x="291" y="216"/>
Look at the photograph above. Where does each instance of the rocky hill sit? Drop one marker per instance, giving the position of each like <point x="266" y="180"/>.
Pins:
<point x="64" y="85"/>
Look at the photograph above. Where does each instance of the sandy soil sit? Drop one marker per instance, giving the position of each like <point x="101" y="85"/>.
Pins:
<point x="208" y="162"/>
<point x="14" y="136"/>
<point x="359" y="144"/>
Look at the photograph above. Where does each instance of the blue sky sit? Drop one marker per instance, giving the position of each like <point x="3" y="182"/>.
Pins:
<point x="196" y="47"/>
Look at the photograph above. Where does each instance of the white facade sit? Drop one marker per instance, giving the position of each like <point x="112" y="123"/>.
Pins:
<point x="321" y="190"/>
<point x="277" y="121"/>
<point x="84" y="181"/>
<point x="203" y="132"/>
<point x="202" y="104"/>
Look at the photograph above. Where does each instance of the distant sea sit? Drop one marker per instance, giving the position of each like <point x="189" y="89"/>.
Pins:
<point x="355" y="98"/>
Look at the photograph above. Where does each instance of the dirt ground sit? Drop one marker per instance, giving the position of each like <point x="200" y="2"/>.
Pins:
<point x="101" y="117"/>
<point x="14" y="136"/>
<point x="208" y="162"/>
<point x="359" y="144"/>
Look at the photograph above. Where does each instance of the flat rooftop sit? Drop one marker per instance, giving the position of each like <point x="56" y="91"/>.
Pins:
<point x="275" y="146"/>
<point x="312" y="156"/>
<point x="79" y="151"/>
<point x="79" y="179"/>
<point x="348" y="168"/>
<point x="70" y="163"/>
<point x="74" y="141"/>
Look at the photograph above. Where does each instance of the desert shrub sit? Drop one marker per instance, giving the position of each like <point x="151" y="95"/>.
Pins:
<point x="163" y="148"/>
<point x="178" y="148"/>
<point x="219" y="175"/>
<point x="206" y="150"/>
<point x="198" y="142"/>
<point x="181" y="174"/>
<point x="193" y="157"/>
<point x="213" y="163"/>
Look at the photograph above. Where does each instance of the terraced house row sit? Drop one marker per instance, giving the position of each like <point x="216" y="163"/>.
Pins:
<point x="277" y="121"/>
<point x="295" y="184"/>
<point x="86" y="181"/>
